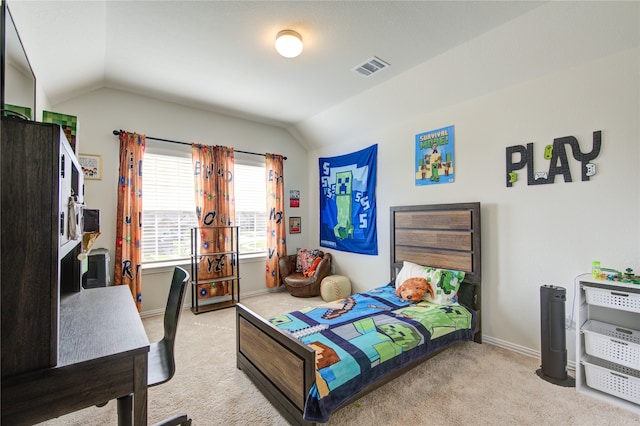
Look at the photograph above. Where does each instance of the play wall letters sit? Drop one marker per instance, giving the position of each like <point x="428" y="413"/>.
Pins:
<point x="558" y="164"/>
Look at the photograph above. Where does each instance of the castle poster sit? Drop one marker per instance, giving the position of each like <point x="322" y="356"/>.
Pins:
<point x="348" y="202"/>
<point x="434" y="157"/>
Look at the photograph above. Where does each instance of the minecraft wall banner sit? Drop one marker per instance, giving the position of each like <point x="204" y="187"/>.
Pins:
<point x="348" y="202"/>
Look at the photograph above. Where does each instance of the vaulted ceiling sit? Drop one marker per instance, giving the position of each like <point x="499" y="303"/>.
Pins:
<point x="219" y="55"/>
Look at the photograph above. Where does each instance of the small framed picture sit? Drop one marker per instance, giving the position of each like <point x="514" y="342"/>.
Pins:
<point x="91" y="166"/>
<point x="294" y="198"/>
<point x="294" y="224"/>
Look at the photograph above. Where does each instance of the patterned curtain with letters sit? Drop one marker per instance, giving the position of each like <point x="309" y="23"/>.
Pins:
<point x="128" y="252"/>
<point x="276" y="226"/>
<point x="213" y="171"/>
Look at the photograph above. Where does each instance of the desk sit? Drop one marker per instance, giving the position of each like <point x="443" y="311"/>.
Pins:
<point x="103" y="351"/>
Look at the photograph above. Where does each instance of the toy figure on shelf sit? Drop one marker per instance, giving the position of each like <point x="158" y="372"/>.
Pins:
<point x="613" y="275"/>
<point x="609" y="274"/>
<point x="630" y="277"/>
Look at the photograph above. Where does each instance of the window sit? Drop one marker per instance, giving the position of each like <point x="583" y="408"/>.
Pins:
<point x="169" y="207"/>
<point x="251" y="207"/>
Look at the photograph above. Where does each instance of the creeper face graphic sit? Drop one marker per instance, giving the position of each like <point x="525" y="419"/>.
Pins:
<point x="402" y="335"/>
<point x="455" y="318"/>
<point x="344" y="226"/>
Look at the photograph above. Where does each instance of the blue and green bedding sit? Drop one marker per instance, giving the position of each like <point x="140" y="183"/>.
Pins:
<point x="362" y="338"/>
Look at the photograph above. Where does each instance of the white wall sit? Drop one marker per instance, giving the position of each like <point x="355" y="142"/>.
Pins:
<point x="102" y="111"/>
<point x="565" y="69"/>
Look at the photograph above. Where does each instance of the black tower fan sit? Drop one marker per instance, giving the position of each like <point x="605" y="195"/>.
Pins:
<point x="553" y="346"/>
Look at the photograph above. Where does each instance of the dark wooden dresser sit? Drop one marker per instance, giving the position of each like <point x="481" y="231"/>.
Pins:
<point x="63" y="348"/>
<point x="39" y="175"/>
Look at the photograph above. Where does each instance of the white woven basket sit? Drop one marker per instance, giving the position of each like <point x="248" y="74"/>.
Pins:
<point x="612" y="378"/>
<point x="615" y="299"/>
<point x="612" y="343"/>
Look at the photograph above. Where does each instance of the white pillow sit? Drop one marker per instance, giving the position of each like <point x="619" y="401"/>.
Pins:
<point x="410" y="270"/>
<point x="445" y="292"/>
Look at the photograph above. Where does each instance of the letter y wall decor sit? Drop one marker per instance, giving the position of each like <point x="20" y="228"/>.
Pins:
<point x="558" y="160"/>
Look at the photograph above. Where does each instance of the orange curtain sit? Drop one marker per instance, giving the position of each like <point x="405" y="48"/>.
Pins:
<point x="276" y="226"/>
<point x="213" y="168"/>
<point x="129" y="215"/>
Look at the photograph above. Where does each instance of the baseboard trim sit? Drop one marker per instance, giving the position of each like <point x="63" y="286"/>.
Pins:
<point x="261" y="292"/>
<point x="486" y="339"/>
<point x="254" y="293"/>
<point x="519" y="349"/>
<point x="151" y="313"/>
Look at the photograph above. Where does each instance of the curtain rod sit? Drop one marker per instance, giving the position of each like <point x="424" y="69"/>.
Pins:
<point x="117" y="133"/>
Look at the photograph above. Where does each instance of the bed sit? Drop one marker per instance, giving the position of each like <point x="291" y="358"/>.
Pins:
<point x="274" y="355"/>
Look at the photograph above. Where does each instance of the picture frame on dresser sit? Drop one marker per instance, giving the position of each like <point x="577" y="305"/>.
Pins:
<point x="17" y="79"/>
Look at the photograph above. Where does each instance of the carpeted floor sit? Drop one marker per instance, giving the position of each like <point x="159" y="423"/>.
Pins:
<point x="466" y="384"/>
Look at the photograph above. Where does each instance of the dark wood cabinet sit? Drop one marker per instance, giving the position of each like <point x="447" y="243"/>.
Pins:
<point x="40" y="175"/>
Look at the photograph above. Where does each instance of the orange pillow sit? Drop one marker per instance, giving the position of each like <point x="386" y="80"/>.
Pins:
<point x="312" y="268"/>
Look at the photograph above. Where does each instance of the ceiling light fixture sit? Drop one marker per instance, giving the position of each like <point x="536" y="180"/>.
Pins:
<point x="289" y="43"/>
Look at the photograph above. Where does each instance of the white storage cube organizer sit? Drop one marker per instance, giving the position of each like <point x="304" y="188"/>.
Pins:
<point x="612" y="343"/>
<point x="615" y="299"/>
<point x="612" y="378"/>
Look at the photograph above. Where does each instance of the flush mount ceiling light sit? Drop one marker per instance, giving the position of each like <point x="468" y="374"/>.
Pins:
<point x="289" y="43"/>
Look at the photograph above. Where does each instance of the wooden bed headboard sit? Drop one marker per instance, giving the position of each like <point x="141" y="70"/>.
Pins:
<point x="440" y="235"/>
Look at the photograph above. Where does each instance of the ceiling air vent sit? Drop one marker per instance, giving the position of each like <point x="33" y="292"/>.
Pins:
<point x="371" y="67"/>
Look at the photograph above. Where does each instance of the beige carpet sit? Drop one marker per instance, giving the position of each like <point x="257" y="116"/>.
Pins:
<point x="467" y="384"/>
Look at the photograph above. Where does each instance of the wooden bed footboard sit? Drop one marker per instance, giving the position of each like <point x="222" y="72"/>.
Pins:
<point x="444" y="235"/>
<point x="281" y="367"/>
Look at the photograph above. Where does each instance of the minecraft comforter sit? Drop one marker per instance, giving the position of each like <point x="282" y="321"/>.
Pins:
<point x="366" y="336"/>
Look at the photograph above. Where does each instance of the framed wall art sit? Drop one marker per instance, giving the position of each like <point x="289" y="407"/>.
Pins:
<point x="23" y="111"/>
<point x="69" y="124"/>
<point x="435" y="162"/>
<point x="294" y="198"/>
<point x="295" y="223"/>
<point x="91" y="166"/>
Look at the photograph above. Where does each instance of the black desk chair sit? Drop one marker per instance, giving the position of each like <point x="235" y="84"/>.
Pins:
<point x="161" y="365"/>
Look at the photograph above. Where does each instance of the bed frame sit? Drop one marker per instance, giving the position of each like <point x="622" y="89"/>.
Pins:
<point x="443" y="235"/>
